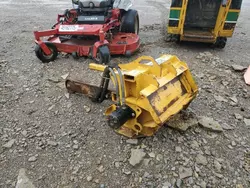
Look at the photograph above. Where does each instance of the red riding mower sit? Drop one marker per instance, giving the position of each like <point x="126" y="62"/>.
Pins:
<point x="94" y="28"/>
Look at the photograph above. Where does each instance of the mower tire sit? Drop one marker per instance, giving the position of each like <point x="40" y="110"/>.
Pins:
<point x="130" y="22"/>
<point x="75" y="55"/>
<point x="220" y="42"/>
<point x="46" y="58"/>
<point x="172" y="37"/>
<point x="103" y="55"/>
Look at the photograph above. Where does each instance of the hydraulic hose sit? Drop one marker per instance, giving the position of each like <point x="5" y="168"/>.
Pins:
<point x="122" y="85"/>
<point x="116" y="86"/>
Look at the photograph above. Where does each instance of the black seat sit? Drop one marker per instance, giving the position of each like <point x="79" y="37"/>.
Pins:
<point x="96" y="3"/>
<point x="94" y="12"/>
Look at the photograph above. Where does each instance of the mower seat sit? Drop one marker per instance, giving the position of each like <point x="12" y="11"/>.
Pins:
<point x="94" y="12"/>
<point x="96" y="3"/>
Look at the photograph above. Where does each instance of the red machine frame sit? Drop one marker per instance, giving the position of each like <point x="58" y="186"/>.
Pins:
<point x="119" y="43"/>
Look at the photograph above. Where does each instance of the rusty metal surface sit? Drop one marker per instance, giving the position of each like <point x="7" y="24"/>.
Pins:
<point x="75" y="86"/>
<point x="155" y="96"/>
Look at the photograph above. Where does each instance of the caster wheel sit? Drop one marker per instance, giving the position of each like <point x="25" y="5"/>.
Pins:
<point x="103" y="55"/>
<point x="128" y="53"/>
<point x="46" y="58"/>
<point x="75" y="55"/>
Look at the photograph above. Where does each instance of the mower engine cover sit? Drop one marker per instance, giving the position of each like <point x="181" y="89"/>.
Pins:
<point x="95" y="3"/>
<point x="123" y="4"/>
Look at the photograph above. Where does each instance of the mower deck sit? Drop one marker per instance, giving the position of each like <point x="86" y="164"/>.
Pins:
<point x="81" y="35"/>
<point x="121" y="44"/>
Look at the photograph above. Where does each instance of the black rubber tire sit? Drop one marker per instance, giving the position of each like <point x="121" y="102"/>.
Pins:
<point x="221" y="42"/>
<point x="168" y="37"/>
<point x="103" y="55"/>
<point x="75" y="55"/>
<point x="130" y="22"/>
<point x="43" y="57"/>
<point x="172" y="38"/>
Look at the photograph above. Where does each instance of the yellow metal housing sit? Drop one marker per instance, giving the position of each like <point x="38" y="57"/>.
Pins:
<point x="224" y="26"/>
<point x="155" y="90"/>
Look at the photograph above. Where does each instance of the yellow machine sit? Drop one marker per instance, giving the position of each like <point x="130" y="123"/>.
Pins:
<point x="147" y="93"/>
<point x="210" y="21"/>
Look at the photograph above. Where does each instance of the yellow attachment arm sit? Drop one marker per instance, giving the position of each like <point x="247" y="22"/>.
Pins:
<point x="98" y="67"/>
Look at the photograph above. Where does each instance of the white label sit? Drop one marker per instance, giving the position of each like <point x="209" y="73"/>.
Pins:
<point x="160" y="60"/>
<point x="64" y="28"/>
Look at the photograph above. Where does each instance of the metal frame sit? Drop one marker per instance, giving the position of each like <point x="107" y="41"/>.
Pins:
<point x="118" y="43"/>
<point x="225" y="23"/>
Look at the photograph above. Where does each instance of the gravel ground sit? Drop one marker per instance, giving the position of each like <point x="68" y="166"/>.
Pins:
<point x="64" y="142"/>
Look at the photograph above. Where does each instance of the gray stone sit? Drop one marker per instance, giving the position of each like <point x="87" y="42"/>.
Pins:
<point x="247" y="122"/>
<point x="51" y="107"/>
<point x="182" y="124"/>
<point x="102" y="186"/>
<point x="132" y="141"/>
<point x="196" y="175"/>
<point x="190" y="180"/>
<point x="227" y="127"/>
<point x="220" y="98"/>
<point x="238" y="116"/>
<point x="152" y="155"/>
<point x="203" y="184"/>
<point x="39" y="134"/>
<point x="87" y="109"/>
<point x="54" y="80"/>
<point x="137" y="156"/>
<point x="239" y="186"/>
<point x="218" y="175"/>
<point x="217" y="165"/>
<point x="89" y="178"/>
<point x="127" y="172"/>
<point x="75" y="147"/>
<point x="159" y="157"/>
<point x="238" y="68"/>
<point x="225" y="83"/>
<point x="66" y="95"/>
<point x="23" y="181"/>
<point x="32" y="159"/>
<point x="65" y="76"/>
<point x="204" y="140"/>
<point x="24" y="133"/>
<point x="117" y="164"/>
<point x="101" y="169"/>
<point x="185" y="172"/>
<point x="52" y="143"/>
<point x="3" y="61"/>
<point x="9" y="144"/>
<point x="200" y="159"/>
<point x="174" y="174"/>
<point x="194" y="144"/>
<point x="166" y="185"/>
<point x="97" y="181"/>
<point x="210" y="124"/>
<point x="178" y="183"/>
<point x="146" y="162"/>
<point x="234" y="99"/>
<point x="233" y="143"/>
<point x="178" y="149"/>
<point x="146" y="175"/>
